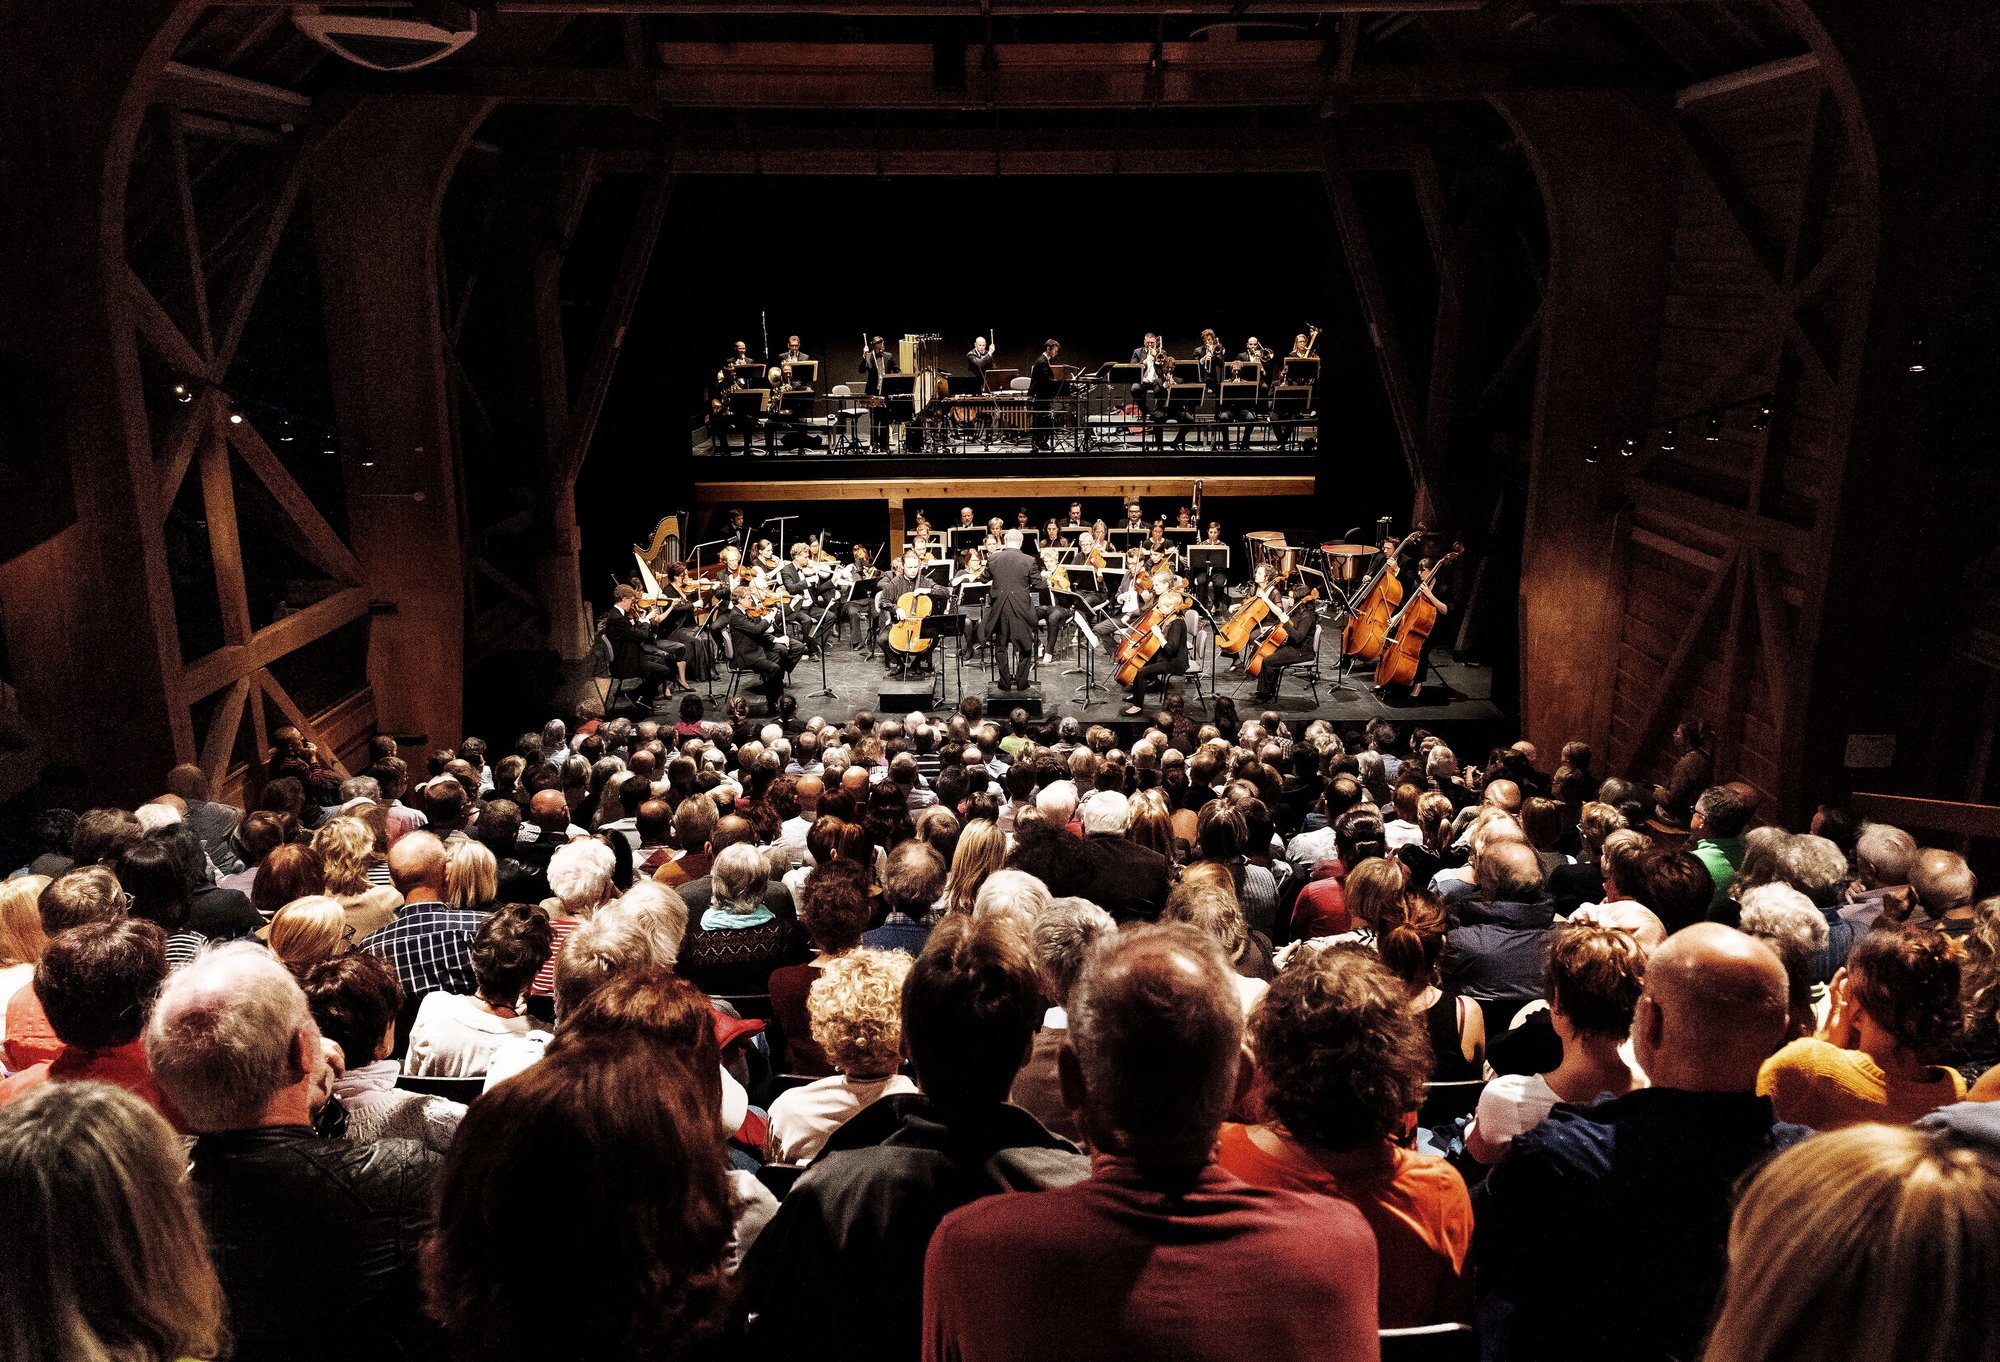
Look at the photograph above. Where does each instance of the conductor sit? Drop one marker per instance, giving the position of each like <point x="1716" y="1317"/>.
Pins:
<point x="1009" y="622"/>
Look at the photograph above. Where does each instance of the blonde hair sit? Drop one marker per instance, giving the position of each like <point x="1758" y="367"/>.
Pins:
<point x="1371" y="890"/>
<point x="856" y="1007"/>
<point x="21" y="934"/>
<point x="105" y="1255"/>
<point x="307" y="931"/>
<point x="1875" y="1241"/>
<point x="981" y="850"/>
<point x="346" y="847"/>
<point x="471" y="875"/>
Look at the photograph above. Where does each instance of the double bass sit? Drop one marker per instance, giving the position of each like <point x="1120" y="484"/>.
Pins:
<point x="1278" y="637"/>
<point x="1367" y="629"/>
<point x="1398" y="664"/>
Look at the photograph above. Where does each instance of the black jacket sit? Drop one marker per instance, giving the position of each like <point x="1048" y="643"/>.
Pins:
<point x="1010" y="609"/>
<point x="839" y="1272"/>
<point x="1130" y="882"/>
<point x="1042" y="383"/>
<point x="316" y="1242"/>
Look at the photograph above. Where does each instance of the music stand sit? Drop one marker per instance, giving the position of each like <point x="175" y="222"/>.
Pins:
<point x="1183" y="401"/>
<point x="806" y="371"/>
<point x="1302" y="371"/>
<point x="1129" y="535"/>
<point x="1088" y="644"/>
<point x="998" y="380"/>
<point x="863" y="594"/>
<point x="1290" y="405"/>
<point x="962" y="537"/>
<point x="935" y="627"/>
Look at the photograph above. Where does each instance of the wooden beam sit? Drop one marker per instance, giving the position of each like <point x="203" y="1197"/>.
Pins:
<point x="1674" y="672"/>
<point x="234" y="96"/>
<point x="1750" y="78"/>
<point x="225" y="545"/>
<point x="611" y="327"/>
<point x="1773" y="636"/>
<point x="311" y="534"/>
<point x="193" y="423"/>
<point x="1928" y="815"/>
<point x="187" y="233"/>
<point x="1720" y="517"/>
<point x="1367" y="277"/>
<point x="219" y="743"/>
<point x="249" y="278"/>
<point x="297" y="718"/>
<point x="162" y="333"/>
<point x="208" y="674"/>
<point x="1447" y="258"/>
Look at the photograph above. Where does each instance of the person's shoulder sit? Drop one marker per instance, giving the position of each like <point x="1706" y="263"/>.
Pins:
<point x="1579" y="1138"/>
<point x="1806" y="1055"/>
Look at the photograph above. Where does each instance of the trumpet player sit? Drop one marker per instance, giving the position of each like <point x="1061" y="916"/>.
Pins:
<point x="1151" y="359"/>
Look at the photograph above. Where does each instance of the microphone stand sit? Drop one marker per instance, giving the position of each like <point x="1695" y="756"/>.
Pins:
<point x="779" y="521"/>
<point x="709" y="545"/>
<point x="819" y="646"/>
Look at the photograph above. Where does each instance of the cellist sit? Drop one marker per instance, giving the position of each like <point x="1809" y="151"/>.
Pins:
<point x="1169" y="660"/>
<point x="1298" y="622"/>
<point x="906" y="577"/>
<point x="1433" y="593"/>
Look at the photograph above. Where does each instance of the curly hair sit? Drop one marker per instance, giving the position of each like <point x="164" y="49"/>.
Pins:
<point x="856" y="1008"/>
<point x="1908" y="981"/>
<point x="645" y="1221"/>
<point x="1980" y="972"/>
<point x="1343" y="1054"/>
<point x="1594" y="976"/>
<point x="834" y="907"/>
<point x="510" y="947"/>
<point x="346" y="847"/>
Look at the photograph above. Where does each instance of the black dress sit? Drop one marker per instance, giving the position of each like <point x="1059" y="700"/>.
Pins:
<point x="1448" y="1061"/>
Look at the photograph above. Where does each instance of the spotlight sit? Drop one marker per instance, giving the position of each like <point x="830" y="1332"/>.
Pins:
<point x="1593" y="454"/>
<point x="1918" y="364"/>
<point x="1712" y="432"/>
<point x="181" y="393"/>
<point x="1629" y="446"/>
<point x="235" y="418"/>
<point x="1670" y="438"/>
<point x="1761" y="418"/>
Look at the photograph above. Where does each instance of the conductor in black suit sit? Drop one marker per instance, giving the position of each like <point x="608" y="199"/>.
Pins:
<point x="1042" y="388"/>
<point x="877" y="363"/>
<point x="1170" y="660"/>
<point x="1009" y="622"/>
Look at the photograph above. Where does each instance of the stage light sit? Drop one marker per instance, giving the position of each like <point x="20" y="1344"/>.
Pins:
<point x="182" y="394"/>
<point x="235" y="418"/>
<point x="1670" y="439"/>
<point x="1712" y="432"/>
<point x="1629" y="446"/>
<point x="1761" y="418"/>
<point x="1593" y="454"/>
<point x="1918" y="364"/>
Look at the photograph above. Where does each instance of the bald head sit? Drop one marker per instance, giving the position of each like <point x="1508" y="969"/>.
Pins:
<point x="1509" y="872"/>
<point x="1503" y="794"/>
<point x="1714" y="1009"/>
<point x="809" y="789"/>
<point x="1943" y="881"/>
<point x="854" y="779"/>
<point x="549" y="811"/>
<point x="416" y="861"/>
<point x="730" y="830"/>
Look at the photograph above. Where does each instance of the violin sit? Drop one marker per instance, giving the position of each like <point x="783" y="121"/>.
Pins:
<point x="1367" y="629"/>
<point x="1398" y="664"/>
<point x="1279" y="635"/>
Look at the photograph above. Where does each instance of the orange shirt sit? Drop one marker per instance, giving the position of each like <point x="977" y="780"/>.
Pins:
<point x="123" y="1065"/>
<point x="1416" y="1204"/>
<point x="1818" y="1084"/>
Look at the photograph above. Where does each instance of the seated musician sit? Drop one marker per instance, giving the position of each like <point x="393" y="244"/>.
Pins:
<point x="1135" y="518"/>
<point x="1076" y="519"/>
<point x="1021" y="521"/>
<point x="1161" y="547"/>
<point x="1263" y="582"/>
<point x="691" y="625"/>
<point x="1182" y="521"/>
<point x="1298" y="621"/>
<point x="965" y="520"/>
<point x="817" y="604"/>
<point x="906" y="577"/>
<point x="1052" y="535"/>
<point x="862" y="568"/>
<point x="1213" y="579"/>
<point x="1150" y="357"/>
<point x="633" y="645"/>
<point x="789" y="420"/>
<point x="1049" y="609"/>
<point x="970" y="569"/>
<point x="1169" y="660"/>
<point x="758" y="643"/>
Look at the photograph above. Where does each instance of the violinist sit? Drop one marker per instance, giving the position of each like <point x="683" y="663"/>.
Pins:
<point x="633" y="646"/>
<point x="971" y="570"/>
<point x="817" y="603"/>
<point x="860" y="568"/>
<point x="684" y="626"/>
<point x="1054" y="615"/>
<point x="758" y="643"/>
<point x="1161" y="548"/>
<point x="1169" y="660"/>
<point x="1298" y="621"/>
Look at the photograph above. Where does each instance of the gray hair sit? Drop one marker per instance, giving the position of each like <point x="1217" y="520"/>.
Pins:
<point x="1814" y="866"/>
<point x="1157" y="1040"/>
<point x="1440" y="763"/>
<point x="618" y="939"/>
<point x="655" y="904"/>
<point x="1885" y="853"/>
<point x="1063" y="935"/>
<point x="1013" y="892"/>
<point x="580" y="875"/>
<point x="1107" y="811"/>
<point x="740" y="874"/>
<point x="223" y="1036"/>
<point x="1786" y="918"/>
<point x="1058" y="796"/>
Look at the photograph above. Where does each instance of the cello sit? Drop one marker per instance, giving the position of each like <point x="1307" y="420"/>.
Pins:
<point x="906" y="634"/>
<point x="1367" y="629"/>
<point x="1279" y="635"/>
<point x="1140" y="646"/>
<point x="1234" y="635"/>
<point x="1399" y="661"/>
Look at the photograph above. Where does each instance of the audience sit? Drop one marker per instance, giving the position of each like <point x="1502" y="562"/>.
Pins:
<point x="1341" y="1064"/>
<point x="103" y="1255"/>
<point x="1161" y="1252"/>
<point x="856" y="1010"/>
<point x="315" y="1240"/>
<point x="455" y="1034"/>
<point x="980" y="944"/>
<point x="1644" y="1181"/>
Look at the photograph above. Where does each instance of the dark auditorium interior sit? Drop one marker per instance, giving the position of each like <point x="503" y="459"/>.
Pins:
<point x="1234" y="672"/>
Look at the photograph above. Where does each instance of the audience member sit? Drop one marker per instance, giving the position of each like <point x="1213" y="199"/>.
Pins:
<point x="354" y="1001"/>
<point x="22" y="939"/>
<point x="1063" y="933"/>
<point x="1411" y="944"/>
<point x="834" y="912"/>
<point x="913" y="878"/>
<point x="1496" y="952"/>
<point x="96" y="984"/>
<point x="856" y="1011"/>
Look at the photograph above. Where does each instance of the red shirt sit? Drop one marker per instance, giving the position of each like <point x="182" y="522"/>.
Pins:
<point x="1321" y="907"/>
<point x="1416" y="1204"/>
<point x="1126" y="1267"/>
<point x="123" y="1065"/>
<point x="30" y="1038"/>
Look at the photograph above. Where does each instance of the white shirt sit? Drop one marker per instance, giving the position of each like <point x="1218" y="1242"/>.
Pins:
<point x="454" y="1036"/>
<point x="802" y="1119"/>
<point x="1511" y="1105"/>
<point x="1400" y="832"/>
<point x="789" y="850"/>
<point x="1310" y="848"/>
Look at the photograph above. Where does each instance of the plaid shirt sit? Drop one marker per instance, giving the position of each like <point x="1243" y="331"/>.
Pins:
<point x="431" y="947"/>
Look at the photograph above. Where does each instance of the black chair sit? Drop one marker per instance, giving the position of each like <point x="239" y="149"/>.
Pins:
<point x="456" y="1089"/>
<point x="1308" y="671"/>
<point x="749" y="1006"/>
<point x="406" y="1017"/>
<point x="779" y="1177"/>
<point x="1430" y="1343"/>
<point x="626" y="677"/>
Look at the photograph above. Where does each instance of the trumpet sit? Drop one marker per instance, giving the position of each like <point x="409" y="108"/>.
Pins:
<point x="1312" y="339"/>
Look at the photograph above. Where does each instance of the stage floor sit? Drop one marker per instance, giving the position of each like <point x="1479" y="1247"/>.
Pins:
<point x="857" y="684"/>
